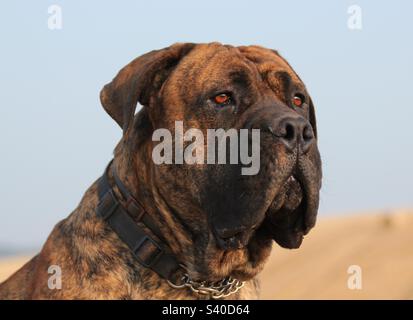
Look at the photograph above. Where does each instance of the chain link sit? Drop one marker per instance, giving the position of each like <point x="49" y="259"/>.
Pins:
<point x="216" y="290"/>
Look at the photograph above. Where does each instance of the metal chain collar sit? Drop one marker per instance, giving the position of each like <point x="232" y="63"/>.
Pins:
<point x="215" y="290"/>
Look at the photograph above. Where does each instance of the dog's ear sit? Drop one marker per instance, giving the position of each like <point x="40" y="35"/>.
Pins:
<point x="138" y="80"/>
<point x="313" y="118"/>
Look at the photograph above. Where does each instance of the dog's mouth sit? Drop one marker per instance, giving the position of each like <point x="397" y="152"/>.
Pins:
<point x="288" y="218"/>
<point x="290" y="196"/>
<point x="284" y="220"/>
<point x="235" y="241"/>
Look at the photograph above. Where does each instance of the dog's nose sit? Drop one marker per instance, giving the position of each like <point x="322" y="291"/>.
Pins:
<point x="294" y="132"/>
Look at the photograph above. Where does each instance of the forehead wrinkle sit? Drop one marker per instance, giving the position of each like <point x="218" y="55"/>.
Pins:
<point x="192" y="72"/>
<point x="225" y="67"/>
<point x="268" y="60"/>
<point x="211" y="65"/>
<point x="198" y="65"/>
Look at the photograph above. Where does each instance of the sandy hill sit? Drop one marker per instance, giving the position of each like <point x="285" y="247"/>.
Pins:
<point x="380" y="244"/>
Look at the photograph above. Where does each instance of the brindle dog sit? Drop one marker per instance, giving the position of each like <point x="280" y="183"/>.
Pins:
<point x="217" y="222"/>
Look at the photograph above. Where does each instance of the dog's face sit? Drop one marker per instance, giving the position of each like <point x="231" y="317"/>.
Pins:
<point x="230" y="218"/>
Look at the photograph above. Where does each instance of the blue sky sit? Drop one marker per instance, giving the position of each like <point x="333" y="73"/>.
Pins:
<point x="56" y="139"/>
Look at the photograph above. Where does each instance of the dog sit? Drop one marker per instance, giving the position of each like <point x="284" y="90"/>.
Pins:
<point x="211" y="227"/>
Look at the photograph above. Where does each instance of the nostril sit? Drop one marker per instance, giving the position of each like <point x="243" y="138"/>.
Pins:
<point x="308" y="133"/>
<point x="295" y="133"/>
<point x="289" y="132"/>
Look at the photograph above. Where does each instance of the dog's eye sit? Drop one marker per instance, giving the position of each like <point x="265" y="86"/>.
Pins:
<point x="222" y="99"/>
<point x="298" y="100"/>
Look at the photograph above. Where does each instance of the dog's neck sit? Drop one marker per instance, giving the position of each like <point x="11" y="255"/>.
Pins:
<point x="181" y="278"/>
<point x="135" y="176"/>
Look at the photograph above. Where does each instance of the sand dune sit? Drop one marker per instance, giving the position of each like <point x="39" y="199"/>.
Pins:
<point x="381" y="244"/>
<point x="9" y="265"/>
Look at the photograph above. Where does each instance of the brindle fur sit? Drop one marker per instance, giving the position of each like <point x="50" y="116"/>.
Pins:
<point x="169" y="83"/>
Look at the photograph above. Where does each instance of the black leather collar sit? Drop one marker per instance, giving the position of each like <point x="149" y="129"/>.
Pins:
<point x="149" y="252"/>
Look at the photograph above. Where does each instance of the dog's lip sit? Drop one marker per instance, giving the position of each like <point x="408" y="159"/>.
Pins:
<point x="308" y="183"/>
<point x="242" y="239"/>
<point x="292" y="182"/>
<point x="293" y="179"/>
<point x="235" y="242"/>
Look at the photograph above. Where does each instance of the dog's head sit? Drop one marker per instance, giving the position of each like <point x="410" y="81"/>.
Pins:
<point x="230" y="218"/>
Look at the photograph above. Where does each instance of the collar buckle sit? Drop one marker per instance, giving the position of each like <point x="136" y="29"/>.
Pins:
<point x="147" y="251"/>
